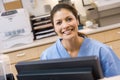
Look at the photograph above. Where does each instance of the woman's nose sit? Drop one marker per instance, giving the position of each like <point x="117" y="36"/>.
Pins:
<point x="64" y="24"/>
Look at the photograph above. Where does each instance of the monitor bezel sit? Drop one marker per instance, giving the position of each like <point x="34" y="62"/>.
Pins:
<point x="31" y="67"/>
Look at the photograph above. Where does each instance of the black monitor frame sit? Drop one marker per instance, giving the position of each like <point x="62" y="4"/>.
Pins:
<point x="80" y="68"/>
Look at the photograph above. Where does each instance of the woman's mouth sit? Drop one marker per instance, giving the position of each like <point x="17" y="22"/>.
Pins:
<point x="67" y="32"/>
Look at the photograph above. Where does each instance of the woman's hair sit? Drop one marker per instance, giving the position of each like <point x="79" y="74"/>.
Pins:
<point x="68" y="7"/>
<point x="63" y="6"/>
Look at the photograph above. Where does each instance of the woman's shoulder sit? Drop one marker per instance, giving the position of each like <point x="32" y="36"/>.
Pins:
<point x="98" y="46"/>
<point x="94" y="42"/>
<point x="104" y="49"/>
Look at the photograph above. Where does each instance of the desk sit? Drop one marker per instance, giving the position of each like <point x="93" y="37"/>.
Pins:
<point x="25" y="52"/>
<point x="112" y="78"/>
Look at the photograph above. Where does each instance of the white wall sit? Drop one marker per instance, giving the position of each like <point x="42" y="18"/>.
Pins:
<point x="1" y="6"/>
<point x="78" y="5"/>
<point x="51" y="2"/>
<point x="38" y="6"/>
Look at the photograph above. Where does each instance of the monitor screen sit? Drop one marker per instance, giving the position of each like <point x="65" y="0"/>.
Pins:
<point x="80" y="68"/>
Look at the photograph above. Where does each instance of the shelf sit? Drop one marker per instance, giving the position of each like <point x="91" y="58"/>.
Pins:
<point x="42" y="27"/>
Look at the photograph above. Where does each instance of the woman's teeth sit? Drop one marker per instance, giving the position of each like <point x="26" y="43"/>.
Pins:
<point x="67" y="32"/>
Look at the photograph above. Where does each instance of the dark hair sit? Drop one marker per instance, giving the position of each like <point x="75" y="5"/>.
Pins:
<point x="68" y="7"/>
<point x="65" y="6"/>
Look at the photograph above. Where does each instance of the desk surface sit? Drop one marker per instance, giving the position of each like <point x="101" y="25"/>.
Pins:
<point x="112" y="78"/>
<point x="54" y="38"/>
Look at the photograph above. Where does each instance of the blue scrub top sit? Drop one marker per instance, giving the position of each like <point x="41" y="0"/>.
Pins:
<point x="109" y="61"/>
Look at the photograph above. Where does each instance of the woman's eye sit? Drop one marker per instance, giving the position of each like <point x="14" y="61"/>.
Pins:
<point x="69" y="19"/>
<point x="58" y="23"/>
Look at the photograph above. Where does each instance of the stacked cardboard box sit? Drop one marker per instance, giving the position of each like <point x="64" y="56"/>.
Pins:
<point x="11" y="5"/>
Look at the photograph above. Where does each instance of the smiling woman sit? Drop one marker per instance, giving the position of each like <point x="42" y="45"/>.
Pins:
<point x="73" y="44"/>
<point x="73" y="14"/>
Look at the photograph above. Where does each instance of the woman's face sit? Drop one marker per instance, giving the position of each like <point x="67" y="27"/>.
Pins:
<point x="65" y="24"/>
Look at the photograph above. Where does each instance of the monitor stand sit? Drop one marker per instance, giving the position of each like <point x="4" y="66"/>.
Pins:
<point x="10" y="76"/>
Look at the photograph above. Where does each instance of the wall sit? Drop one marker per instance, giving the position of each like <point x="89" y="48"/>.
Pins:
<point x="1" y="6"/>
<point x="37" y="6"/>
<point x="78" y="5"/>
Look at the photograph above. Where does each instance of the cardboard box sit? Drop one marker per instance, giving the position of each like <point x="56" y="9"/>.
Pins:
<point x="16" y="4"/>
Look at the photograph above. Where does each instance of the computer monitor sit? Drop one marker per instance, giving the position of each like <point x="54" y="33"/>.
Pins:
<point x="80" y="68"/>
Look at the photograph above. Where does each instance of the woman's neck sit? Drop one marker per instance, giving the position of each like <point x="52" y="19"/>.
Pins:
<point x="73" y="46"/>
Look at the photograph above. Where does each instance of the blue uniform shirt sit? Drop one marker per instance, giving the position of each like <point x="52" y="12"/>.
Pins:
<point x="109" y="61"/>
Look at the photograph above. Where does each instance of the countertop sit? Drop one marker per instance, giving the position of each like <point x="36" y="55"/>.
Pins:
<point x="112" y="78"/>
<point x="54" y="38"/>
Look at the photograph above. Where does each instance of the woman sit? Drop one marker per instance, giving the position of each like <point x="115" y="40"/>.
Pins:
<point x="73" y="44"/>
